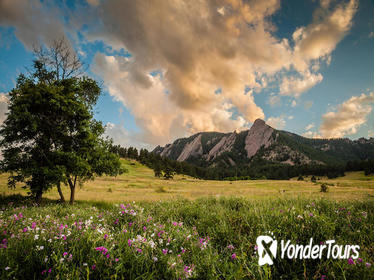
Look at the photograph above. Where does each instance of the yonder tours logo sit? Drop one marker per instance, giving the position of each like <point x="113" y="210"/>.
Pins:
<point x="268" y="249"/>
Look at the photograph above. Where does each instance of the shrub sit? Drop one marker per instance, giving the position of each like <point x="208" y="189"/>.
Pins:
<point x="324" y="187"/>
<point x="301" y="178"/>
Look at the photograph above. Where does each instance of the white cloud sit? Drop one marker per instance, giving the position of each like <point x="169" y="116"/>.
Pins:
<point x="311" y="134"/>
<point x="320" y="38"/>
<point x="274" y="100"/>
<point x="348" y="118"/>
<point x="3" y="106"/>
<point x="198" y="46"/>
<point x="94" y="3"/>
<point x="309" y="126"/>
<point x="293" y="86"/>
<point x="276" y="122"/>
<point x="159" y="117"/>
<point x="34" y="21"/>
<point x="123" y="137"/>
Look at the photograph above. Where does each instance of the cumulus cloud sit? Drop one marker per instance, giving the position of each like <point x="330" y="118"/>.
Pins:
<point x="93" y="2"/>
<point x="276" y="122"/>
<point x="309" y="126"/>
<point x="314" y="43"/>
<point x="33" y="21"/>
<point x="294" y="86"/>
<point x="274" y="100"/>
<point x="311" y="134"/>
<point x="3" y="106"/>
<point x="160" y="118"/>
<point x="348" y="118"/>
<point x="196" y="47"/>
<point x="320" y="38"/>
<point x="123" y="137"/>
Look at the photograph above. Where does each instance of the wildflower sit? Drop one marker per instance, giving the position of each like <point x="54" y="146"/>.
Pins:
<point x="323" y="277"/>
<point x="36" y="237"/>
<point x="116" y="259"/>
<point x="44" y="271"/>
<point x="65" y="254"/>
<point x="144" y="228"/>
<point x="155" y="259"/>
<point x="300" y="217"/>
<point x="351" y="261"/>
<point x="368" y="265"/>
<point x="84" y="264"/>
<point x="105" y="236"/>
<point x="231" y="247"/>
<point x="45" y="259"/>
<point x="7" y="268"/>
<point x="359" y="260"/>
<point x="93" y="267"/>
<point x="233" y="256"/>
<point x="164" y="251"/>
<point x="310" y="214"/>
<point x="50" y="270"/>
<point x="25" y="229"/>
<point x="256" y="247"/>
<point x="129" y="242"/>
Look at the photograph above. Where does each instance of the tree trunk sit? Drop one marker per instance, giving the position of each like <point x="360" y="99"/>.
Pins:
<point x="62" y="198"/>
<point x="38" y="196"/>
<point x="72" y="195"/>
<point x="72" y="189"/>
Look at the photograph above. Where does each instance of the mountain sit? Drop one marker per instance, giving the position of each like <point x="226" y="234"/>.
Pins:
<point x="262" y="143"/>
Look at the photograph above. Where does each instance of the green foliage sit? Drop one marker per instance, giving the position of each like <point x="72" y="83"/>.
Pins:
<point x="50" y="137"/>
<point x="324" y="187"/>
<point x="209" y="230"/>
<point x="168" y="173"/>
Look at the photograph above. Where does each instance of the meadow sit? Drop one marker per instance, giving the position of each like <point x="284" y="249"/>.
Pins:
<point x="140" y="184"/>
<point x="138" y="227"/>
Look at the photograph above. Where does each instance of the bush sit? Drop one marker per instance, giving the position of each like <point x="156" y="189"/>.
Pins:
<point x="324" y="187"/>
<point x="313" y="179"/>
<point x="301" y="178"/>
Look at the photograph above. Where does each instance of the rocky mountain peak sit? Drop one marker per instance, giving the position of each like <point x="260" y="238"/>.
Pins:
<point x="259" y="135"/>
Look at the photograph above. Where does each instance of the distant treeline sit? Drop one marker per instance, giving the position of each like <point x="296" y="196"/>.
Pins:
<point x="259" y="169"/>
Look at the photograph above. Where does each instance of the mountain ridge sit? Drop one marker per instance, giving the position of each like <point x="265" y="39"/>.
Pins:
<point x="264" y="143"/>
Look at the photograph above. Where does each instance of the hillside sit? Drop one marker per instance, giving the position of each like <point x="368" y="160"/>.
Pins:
<point x="262" y="143"/>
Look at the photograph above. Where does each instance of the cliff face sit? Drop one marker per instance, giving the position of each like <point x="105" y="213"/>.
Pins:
<point x="266" y="143"/>
<point x="260" y="135"/>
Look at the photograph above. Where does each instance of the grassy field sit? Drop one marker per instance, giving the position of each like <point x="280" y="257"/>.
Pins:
<point x="136" y="226"/>
<point x="139" y="184"/>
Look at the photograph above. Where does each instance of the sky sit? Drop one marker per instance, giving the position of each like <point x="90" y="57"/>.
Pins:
<point x="172" y="68"/>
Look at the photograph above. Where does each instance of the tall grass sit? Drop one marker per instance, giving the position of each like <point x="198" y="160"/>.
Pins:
<point x="201" y="239"/>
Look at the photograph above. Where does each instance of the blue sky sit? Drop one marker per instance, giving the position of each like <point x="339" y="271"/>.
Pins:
<point x="172" y="69"/>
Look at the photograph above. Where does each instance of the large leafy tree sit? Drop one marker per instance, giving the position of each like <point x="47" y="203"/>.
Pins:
<point x="50" y="136"/>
